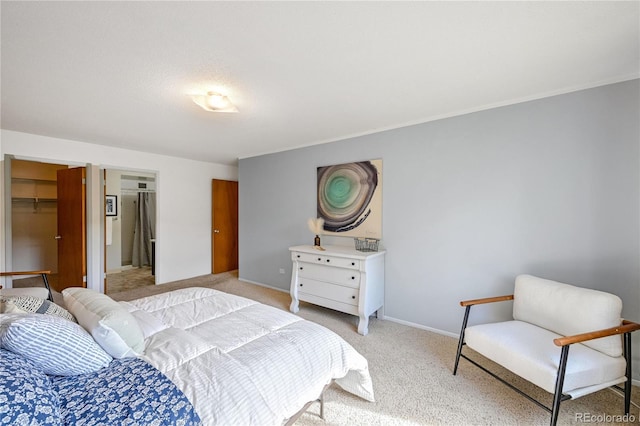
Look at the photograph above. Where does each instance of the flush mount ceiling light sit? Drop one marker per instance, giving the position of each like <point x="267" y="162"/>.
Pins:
<point x="214" y="102"/>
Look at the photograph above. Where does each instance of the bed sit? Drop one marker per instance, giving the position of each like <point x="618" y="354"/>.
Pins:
<point x="226" y="360"/>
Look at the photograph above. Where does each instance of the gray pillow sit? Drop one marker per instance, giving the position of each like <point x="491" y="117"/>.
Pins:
<point x="30" y="304"/>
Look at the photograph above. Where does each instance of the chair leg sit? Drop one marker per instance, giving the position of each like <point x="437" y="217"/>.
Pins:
<point x="557" y="396"/>
<point x="461" y="341"/>
<point x="627" y="384"/>
<point x="46" y="284"/>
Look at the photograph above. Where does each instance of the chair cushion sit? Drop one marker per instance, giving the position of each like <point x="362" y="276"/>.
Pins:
<point x="568" y="310"/>
<point x="528" y="351"/>
<point x="39" y="292"/>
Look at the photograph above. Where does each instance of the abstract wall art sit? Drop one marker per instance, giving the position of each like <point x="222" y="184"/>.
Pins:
<point x="350" y="199"/>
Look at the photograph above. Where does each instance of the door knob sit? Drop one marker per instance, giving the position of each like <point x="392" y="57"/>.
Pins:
<point x="57" y="237"/>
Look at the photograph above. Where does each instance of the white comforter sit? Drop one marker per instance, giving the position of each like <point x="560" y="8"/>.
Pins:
<point x="241" y="362"/>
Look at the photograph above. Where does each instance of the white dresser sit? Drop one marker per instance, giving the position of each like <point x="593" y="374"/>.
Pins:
<point x="339" y="278"/>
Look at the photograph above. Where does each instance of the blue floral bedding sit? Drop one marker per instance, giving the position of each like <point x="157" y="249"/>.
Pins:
<point x="127" y="392"/>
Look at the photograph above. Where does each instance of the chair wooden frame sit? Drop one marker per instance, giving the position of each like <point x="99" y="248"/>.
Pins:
<point x="625" y="329"/>
<point x="43" y="274"/>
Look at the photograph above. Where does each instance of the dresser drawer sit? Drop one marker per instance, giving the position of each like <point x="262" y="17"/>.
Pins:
<point x="348" y="295"/>
<point x="320" y="259"/>
<point x="342" y="276"/>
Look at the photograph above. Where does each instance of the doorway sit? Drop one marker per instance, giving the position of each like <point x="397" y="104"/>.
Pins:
<point x="130" y="230"/>
<point x="224" y="220"/>
<point x="47" y="222"/>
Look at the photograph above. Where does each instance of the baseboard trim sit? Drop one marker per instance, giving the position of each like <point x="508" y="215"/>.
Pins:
<point x="421" y="327"/>
<point x="262" y="285"/>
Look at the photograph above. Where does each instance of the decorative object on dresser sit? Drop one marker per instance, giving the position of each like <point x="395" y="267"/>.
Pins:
<point x="315" y="226"/>
<point x="339" y="278"/>
<point x="366" y="244"/>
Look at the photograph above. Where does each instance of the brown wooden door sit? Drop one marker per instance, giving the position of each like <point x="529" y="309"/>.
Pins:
<point x="104" y="235"/>
<point x="72" y="258"/>
<point x="224" y="236"/>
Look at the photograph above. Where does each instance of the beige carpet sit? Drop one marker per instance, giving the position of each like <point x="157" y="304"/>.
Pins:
<point x="129" y="279"/>
<point x="411" y="372"/>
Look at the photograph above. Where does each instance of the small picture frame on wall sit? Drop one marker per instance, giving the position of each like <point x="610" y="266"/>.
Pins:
<point x="111" y="205"/>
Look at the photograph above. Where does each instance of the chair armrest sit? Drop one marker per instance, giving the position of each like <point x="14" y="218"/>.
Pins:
<point x="626" y="327"/>
<point x="486" y="300"/>
<point x="8" y="274"/>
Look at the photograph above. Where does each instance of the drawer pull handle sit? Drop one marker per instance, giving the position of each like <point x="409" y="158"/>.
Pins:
<point x="328" y="260"/>
<point x="353" y="297"/>
<point x="300" y="284"/>
<point x="301" y="268"/>
<point x="353" y="278"/>
<point x="319" y="259"/>
<point x="352" y="263"/>
<point x="298" y="256"/>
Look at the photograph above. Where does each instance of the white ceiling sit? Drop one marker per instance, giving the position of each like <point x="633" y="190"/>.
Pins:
<point x="301" y="73"/>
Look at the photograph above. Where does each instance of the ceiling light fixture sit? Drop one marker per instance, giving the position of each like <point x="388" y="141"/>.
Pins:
<point x="214" y="102"/>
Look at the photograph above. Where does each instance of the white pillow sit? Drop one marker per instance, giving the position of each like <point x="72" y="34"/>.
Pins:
<point x="55" y="345"/>
<point x="149" y="324"/>
<point x="115" y="329"/>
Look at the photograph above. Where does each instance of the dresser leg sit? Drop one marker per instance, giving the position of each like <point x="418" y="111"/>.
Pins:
<point x="363" y="325"/>
<point x="294" y="306"/>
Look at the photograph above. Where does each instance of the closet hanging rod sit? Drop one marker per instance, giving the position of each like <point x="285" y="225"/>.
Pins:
<point x="135" y="191"/>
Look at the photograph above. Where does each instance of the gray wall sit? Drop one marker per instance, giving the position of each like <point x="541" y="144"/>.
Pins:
<point x="548" y="187"/>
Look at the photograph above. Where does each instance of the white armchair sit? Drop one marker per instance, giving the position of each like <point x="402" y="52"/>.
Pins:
<point x="549" y="318"/>
<point x="40" y="292"/>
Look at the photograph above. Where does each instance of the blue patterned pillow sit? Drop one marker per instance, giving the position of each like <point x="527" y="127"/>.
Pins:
<point x="53" y="344"/>
<point x="26" y="394"/>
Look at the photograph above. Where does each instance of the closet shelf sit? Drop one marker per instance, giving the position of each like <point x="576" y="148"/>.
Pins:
<point x="31" y="180"/>
<point x="33" y="200"/>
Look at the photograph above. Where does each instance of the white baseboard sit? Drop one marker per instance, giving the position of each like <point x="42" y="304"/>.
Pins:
<point x="262" y="285"/>
<point x="422" y="327"/>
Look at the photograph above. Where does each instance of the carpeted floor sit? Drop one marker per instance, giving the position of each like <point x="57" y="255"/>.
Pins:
<point x="129" y="279"/>
<point x="411" y="372"/>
